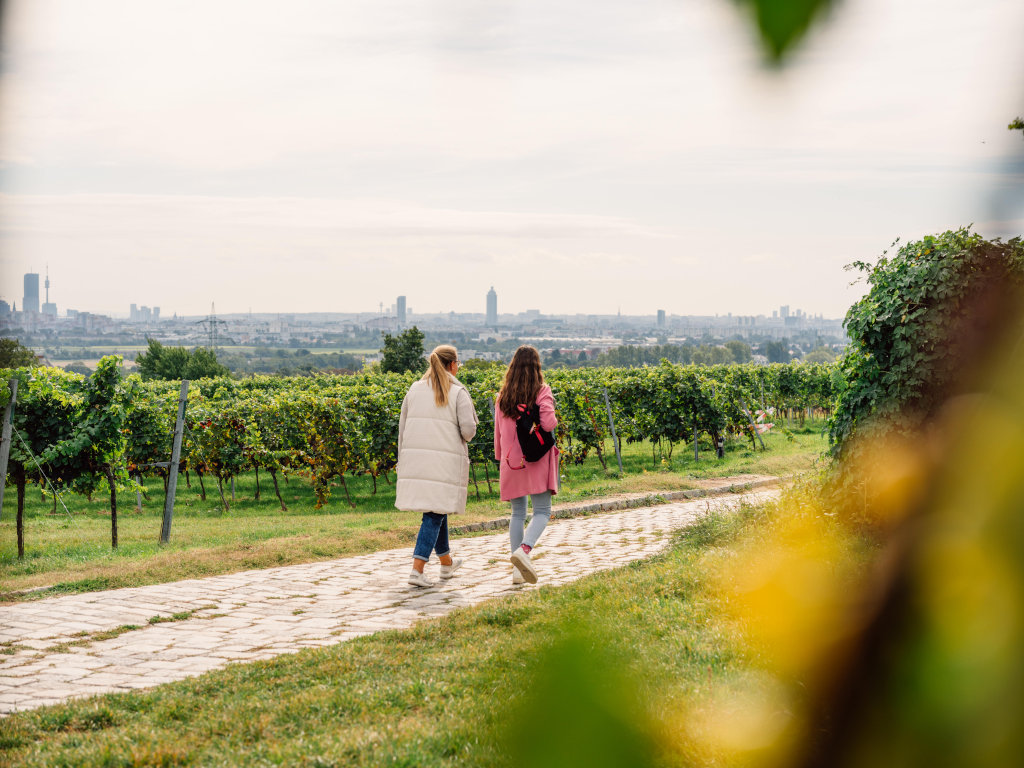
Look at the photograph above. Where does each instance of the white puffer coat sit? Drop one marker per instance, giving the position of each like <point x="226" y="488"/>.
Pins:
<point x="433" y="459"/>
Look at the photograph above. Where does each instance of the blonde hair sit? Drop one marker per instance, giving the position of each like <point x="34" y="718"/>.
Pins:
<point x="438" y="375"/>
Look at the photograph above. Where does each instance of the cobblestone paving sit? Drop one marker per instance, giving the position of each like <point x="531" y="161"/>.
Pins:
<point x="55" y="649"/>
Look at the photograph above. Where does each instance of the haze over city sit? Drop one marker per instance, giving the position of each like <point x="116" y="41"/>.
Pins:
<point x="585" y="158"/>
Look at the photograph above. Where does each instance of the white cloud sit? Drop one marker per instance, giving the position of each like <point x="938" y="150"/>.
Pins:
<point x="633" y="153"/>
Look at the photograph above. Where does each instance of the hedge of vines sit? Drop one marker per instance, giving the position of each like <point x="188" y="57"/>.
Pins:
<point x="96" y="431"/>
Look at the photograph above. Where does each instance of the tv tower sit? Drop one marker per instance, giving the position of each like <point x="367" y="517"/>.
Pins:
<point x="48" y="308"/>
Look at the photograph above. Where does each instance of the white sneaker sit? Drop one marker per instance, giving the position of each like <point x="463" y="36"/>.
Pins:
<point x="521" y="560"/>
<point x="447" y="571"/>
<point x="517" y="577"/>
<point x="418" y="579"/>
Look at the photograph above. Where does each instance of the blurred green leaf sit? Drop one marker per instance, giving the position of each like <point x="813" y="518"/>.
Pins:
<point x="784" y="23"/>
<point x="581" y="708"/>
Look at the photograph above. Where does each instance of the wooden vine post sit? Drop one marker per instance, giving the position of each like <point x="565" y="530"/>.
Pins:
<point x="172" y="470"/>
<point x="19" y="479"/>
<point x="5" y="441"/>
<point x="611" y="423"/>
<point x="112" y="482"/>
<point x="753" y="426"/>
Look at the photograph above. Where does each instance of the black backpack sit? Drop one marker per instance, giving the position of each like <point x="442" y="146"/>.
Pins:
<point x="534" y="441"/>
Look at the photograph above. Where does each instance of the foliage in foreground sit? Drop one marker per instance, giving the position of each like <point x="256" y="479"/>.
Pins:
<point x="782" y="25"/>
<point x="917" y="334"/>
<point x="921" y="664"/>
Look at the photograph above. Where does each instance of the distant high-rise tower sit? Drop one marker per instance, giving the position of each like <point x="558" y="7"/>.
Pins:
<point x="492" y="307"/>
<point x="48" y="308"/>
<point x="784" y="311"/>
<point x="661" y="318"/>
<point x="30" y="302"/>
<point x="400" y="310"/>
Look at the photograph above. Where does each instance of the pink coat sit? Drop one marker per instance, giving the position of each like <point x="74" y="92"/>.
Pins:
<point x="535" y="477"/>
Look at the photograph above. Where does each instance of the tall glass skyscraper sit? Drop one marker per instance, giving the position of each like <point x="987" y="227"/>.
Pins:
<point x="492" y="307"/>
<point x="30" y="302"/>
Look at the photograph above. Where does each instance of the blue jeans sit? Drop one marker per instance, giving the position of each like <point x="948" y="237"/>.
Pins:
<point x="433" y="535"/>
<point x="541" y="503"/>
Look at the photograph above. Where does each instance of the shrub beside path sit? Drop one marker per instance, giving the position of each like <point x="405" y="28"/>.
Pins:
<point x="99" y="642"/>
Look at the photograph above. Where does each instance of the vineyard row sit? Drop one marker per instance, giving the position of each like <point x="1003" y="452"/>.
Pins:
<point x="80" y="432"/>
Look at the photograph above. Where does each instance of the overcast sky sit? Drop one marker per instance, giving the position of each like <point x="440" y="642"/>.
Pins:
<point x="578" y="155"/>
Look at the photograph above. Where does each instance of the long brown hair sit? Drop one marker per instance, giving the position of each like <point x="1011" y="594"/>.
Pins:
<point x="438" y="375"/>
<point x="523" y="381"/>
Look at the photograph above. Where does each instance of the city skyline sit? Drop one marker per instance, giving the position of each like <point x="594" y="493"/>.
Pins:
<point x="15" y="297"/>
<point x="399" y="310"/>
<point x="586" y="158"/>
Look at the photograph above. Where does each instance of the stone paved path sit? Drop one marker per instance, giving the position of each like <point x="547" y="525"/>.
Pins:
<point x="260" y="614"/>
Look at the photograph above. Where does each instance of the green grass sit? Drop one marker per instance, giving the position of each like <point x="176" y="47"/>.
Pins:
<point x="571" y="675"/>
<point x="72" y="553"/>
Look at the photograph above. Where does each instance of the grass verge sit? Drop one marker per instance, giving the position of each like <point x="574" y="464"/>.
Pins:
<point x="455" y="691"/>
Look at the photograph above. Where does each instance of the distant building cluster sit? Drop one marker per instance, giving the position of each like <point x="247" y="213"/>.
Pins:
<point x="486" y="334"/>
<point x="33" y="315"/>
<point x="143" y="314"/>
<point x="42" y="317"/>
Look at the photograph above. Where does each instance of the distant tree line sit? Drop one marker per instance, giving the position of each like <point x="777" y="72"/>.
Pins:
<point x="733" y="352"/>
<point x="160" y="362"/>
<point x="13" y="354"/>
<point x="631" y="356"/>
<point x="291" y="362"/>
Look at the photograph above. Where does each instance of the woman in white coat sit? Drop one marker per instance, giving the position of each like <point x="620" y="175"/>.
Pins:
<point x="437" y="422"/>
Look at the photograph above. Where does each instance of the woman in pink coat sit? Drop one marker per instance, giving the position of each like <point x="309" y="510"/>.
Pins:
<point x="524" y="385"/>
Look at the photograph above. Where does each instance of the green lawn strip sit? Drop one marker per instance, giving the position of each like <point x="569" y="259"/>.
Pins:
<point x="438" y="694"/>
<point x="71" y="553"/>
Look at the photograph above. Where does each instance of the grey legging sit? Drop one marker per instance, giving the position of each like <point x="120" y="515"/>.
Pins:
<point x="541" y="503"/>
